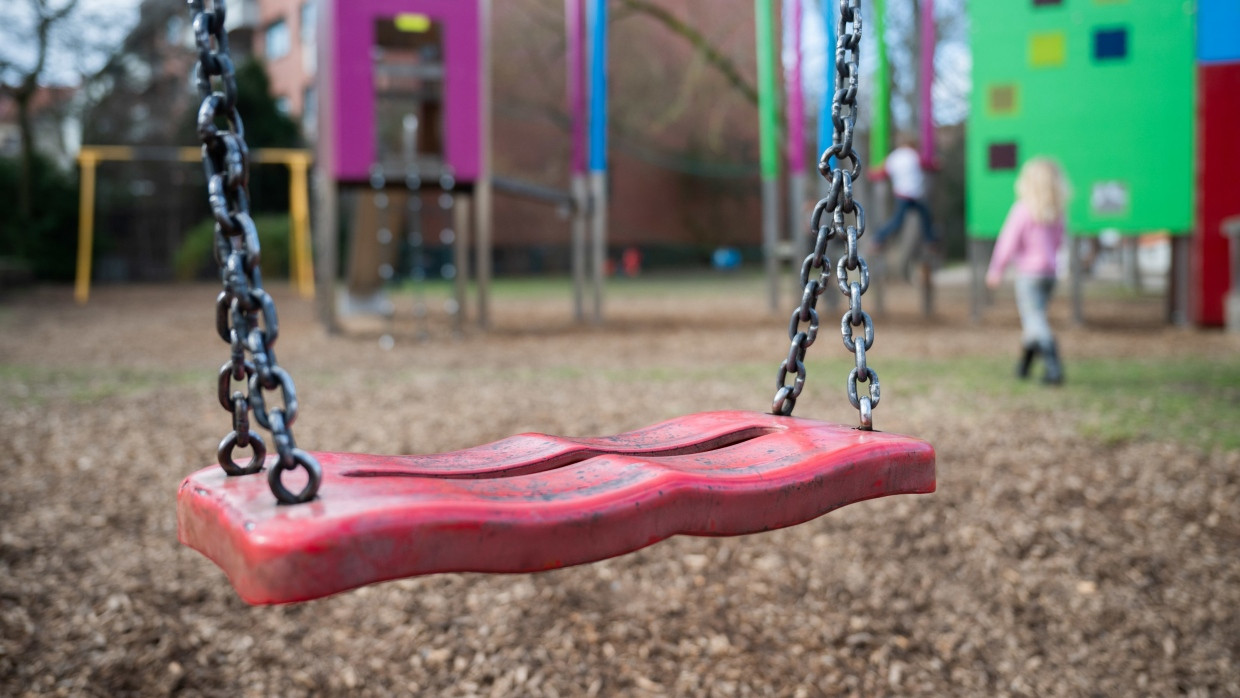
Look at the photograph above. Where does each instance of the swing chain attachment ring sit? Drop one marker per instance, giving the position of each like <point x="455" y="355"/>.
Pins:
<point x="839" y="202"/>
<point x="245" y="313"/>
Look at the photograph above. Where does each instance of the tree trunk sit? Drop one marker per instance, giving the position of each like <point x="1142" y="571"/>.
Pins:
<point x="25" y="184"/>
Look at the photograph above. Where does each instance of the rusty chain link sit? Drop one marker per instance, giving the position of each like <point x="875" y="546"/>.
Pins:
<point x="245" y="314"/>
<point x="839" y="202"/>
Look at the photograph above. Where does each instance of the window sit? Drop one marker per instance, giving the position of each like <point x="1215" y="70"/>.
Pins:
<point x="174" y="30"/>
<point x="276" y="40"/>
<point x="309" y="17"/>
<point x="1002" y="99"/>
<point x="1002" y="156"/>
<point x="1048" y="49"/>
<point x="1110" y="44"/>
<point x="309" y="29"/>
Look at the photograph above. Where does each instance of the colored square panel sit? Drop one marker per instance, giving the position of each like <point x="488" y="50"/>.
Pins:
<point x="1002" y="99"/>
<point x="1048" y="49"/>
<point x="1110" y="198"/>
<point x="1002" y="156"/>
<point x="1110" y="44"/>
<point x="1218" y="25"/>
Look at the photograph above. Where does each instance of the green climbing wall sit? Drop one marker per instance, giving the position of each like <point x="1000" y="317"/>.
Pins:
<point x="1106" y="88"/>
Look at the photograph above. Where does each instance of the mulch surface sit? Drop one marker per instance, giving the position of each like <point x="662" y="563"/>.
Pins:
<point x="1047" y="564"/>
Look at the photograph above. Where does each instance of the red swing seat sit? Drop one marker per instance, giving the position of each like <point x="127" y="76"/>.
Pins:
<point x="534" y="502"/>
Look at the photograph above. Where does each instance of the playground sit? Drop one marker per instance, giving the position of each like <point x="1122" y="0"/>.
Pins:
<point x="1081" y="540"/>
<point x="534" y="264"/>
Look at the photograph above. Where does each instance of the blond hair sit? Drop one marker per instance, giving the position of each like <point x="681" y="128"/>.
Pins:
<point x="1041" y="188"/>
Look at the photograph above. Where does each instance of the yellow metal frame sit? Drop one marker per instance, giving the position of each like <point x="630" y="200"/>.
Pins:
<point x="298" y="163"/>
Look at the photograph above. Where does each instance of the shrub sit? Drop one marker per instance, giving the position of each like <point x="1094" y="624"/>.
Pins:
<point x="195" y="258"/>
<point x="47" y="244"/>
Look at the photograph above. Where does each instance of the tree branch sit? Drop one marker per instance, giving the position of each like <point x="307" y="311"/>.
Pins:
<point x="695" y="38"/>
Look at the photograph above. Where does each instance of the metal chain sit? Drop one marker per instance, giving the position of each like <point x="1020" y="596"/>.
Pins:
<point x="447" y="236"/>
<point x="245" y="315"/>
<point x="416" y="244"/>
<point x="378" y="183"/>
<point x="803" y="328"/>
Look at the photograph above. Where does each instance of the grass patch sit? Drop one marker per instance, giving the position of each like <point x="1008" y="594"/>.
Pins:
<point x="1193" y="401"/>
<point x="695" y="284"/>
<point x="39" y="385"/>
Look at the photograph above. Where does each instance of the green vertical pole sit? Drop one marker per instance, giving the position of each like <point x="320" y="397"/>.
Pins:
<point x="769" y="136"/>
<point x="880" y="129"/>
<point x="768" y="123"/>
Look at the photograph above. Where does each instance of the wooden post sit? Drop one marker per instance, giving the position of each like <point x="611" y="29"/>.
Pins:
<point x="1178" y="288"/>
<point x="976" y="278"/>
<point x="460" y="258"/>
<point x="326" y="224"/>
<point x="1077" y="274"/>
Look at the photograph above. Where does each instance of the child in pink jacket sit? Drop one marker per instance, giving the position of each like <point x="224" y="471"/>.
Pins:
<point x="1030" y="241"/>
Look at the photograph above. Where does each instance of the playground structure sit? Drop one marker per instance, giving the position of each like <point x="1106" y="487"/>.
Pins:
<point x="1039" y="70"/>
<point x="402" y="95"/>
<point x="297" y="161"/>
<point x="366" y="79"/>
<point x="385" y="65"/>
<point x="405" y="98"/>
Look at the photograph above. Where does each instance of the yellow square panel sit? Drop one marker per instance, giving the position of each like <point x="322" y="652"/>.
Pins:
<point x="1048" y="49"/>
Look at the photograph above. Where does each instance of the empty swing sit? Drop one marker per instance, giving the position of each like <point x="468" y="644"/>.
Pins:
<point x="530" y="502"/>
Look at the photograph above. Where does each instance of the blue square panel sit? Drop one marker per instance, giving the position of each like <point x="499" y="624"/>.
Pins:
<point x="1110" y="44"/>
<point x="1218" y="30"/>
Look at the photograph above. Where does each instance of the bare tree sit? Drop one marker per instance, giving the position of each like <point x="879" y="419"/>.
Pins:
<point x="36" y="37"/>
<point x="712" y="54"/>
<point x="20" y="80"/>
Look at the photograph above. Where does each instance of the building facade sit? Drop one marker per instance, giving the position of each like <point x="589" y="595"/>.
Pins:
<point x="282" y="34"/>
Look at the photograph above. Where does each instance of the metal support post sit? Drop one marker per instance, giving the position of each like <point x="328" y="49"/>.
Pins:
<point x="598" y="241"/>
<point x="581" y="212"/>
<point x="799" y="245"/>
<point x="770" y="234"/>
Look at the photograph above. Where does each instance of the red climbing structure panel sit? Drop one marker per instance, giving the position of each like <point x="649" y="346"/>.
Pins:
<point x="534" y="502"/>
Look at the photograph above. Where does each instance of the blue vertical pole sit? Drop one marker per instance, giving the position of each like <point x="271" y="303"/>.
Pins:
<point x="826" y="129"/>
<point x="597" y="18"/>
<point x="598" y="86"/>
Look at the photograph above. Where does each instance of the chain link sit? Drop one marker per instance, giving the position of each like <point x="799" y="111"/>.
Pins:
<point x="841" y="166"/>
<point x="245" y="315"/>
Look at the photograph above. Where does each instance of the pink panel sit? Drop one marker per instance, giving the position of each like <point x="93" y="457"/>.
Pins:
<point x="534" y="502"/>
<point x="354" y="115"/>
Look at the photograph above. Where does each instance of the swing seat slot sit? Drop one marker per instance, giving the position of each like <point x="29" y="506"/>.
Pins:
<point x="534" y="502"/>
